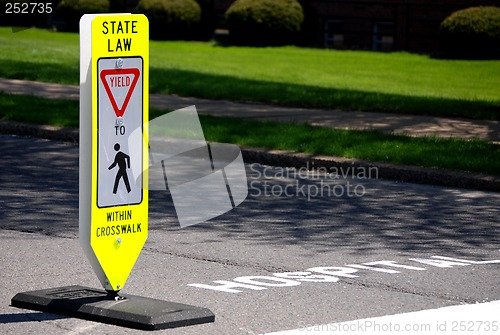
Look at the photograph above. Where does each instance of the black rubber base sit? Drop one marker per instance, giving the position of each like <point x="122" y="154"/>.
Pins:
<point x="127" y="311"/>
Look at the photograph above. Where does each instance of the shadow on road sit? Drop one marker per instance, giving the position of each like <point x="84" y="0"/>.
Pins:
<point x="39" y="194"/>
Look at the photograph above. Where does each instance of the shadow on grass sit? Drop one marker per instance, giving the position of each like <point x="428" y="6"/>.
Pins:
<point x="41" y="111"/>
<point x="202" y="85"/>
<point x="50" y="72"/>
<point x="189" y="83"/>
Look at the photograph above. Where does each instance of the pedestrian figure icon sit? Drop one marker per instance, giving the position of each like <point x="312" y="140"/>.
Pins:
<point x="123" y="162"/>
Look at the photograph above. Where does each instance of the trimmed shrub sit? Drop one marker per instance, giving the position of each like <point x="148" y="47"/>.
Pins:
<point x="264" y="22"/>
<point x="472" y="33"/>
<point x="70" y="11"/>
<point x="171" y="19"/>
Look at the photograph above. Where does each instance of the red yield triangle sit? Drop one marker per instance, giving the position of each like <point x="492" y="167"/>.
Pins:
<point x="113" y="72"/>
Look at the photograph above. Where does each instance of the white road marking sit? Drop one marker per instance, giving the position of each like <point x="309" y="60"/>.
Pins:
<point x="331" y="274"/>
<point x="481" y="318"/>
<point x="83" y="327"/>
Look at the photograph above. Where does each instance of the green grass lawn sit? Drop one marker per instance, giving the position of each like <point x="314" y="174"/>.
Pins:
<point x="475" y="156"/>
<point x="351" y="80"/>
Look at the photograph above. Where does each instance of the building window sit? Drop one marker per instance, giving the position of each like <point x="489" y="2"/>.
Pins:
<point x="334" y="34"/>
<point x="383" y="36"/>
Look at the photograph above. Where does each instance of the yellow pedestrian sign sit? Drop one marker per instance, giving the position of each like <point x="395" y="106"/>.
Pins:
<point x="113" y="194"/>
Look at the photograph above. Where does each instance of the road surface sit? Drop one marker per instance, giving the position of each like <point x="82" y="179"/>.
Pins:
<point x="303" y="253"/>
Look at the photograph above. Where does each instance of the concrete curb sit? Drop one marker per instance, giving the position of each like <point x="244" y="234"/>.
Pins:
<point x="403" y="173"/>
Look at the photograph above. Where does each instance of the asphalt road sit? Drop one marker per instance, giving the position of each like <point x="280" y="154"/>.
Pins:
<point x="291" y="256"/>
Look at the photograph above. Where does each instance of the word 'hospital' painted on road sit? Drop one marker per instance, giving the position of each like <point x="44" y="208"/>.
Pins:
<point x="331" y="274"/>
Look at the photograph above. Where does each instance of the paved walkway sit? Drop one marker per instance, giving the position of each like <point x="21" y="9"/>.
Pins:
<point x="386" y="122"/>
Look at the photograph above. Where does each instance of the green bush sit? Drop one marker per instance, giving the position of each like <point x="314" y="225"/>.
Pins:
<point x="472" y="33"/>
<point x="70" y="11"/>
<point x="264" y="22"/>
<point x="171" y="19"/>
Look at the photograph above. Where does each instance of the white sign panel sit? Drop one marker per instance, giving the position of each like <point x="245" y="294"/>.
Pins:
<point x="120" y="101"/>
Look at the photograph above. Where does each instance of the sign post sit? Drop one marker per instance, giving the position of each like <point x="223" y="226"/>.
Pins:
<point x="113" y="208"/>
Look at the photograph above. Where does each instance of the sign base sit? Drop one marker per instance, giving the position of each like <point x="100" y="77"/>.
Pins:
<point x="97" y="305"/>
